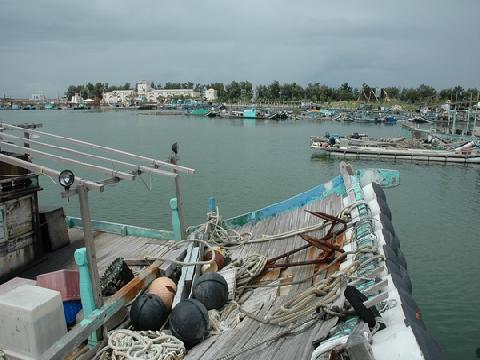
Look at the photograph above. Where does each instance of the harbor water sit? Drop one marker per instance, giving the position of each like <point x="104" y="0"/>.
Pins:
<point x="247" y="164"/>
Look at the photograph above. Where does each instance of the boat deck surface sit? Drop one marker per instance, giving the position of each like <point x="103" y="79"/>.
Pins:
<point x="108" y="247"/>
<point x="263" y="299"/>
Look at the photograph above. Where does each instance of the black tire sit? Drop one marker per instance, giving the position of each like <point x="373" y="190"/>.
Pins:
<point x="386" y="223"/>
<point x="379" y="191"/>
<point x="391" y="240"/>
<point x="384" y="208"/>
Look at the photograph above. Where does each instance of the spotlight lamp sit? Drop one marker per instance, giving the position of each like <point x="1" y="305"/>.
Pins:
<point x="66" y="179"/>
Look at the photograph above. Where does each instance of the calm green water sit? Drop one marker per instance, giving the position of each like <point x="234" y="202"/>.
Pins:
<point x="249" y="164"/>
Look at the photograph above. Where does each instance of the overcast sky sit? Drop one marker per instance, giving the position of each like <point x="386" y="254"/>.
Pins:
<point x="49" y="44"/>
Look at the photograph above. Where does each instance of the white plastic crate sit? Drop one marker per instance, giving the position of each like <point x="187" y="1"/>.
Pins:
<point x="31" y="320"/>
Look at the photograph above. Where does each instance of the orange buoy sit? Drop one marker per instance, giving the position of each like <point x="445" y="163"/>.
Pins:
<point x="219" y="259"/>
<point x="165" y="289"/>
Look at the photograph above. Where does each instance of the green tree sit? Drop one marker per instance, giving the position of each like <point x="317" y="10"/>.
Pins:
<point x="246" y="90"/>
<point x="392" y="92"/>
<point x="344" y="92"/>
<point x="426" y="93"/>
<point x="233" y="91"/>
<point x="274" y="91"/>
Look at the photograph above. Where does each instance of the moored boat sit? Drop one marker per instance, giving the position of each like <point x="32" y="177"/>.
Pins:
<point x="317" y="276"/>
<point x="461" y="155"/>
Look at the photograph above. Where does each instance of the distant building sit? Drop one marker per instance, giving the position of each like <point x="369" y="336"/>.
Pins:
<point x="143" y="87"/>
<point x="119" y="97"/>
<point x="145" y="93"/>
<point x="76" y="99"/>
<point x="38" y="97"/>
<point x="155" y="94"/>
<point x="211" y="94"/>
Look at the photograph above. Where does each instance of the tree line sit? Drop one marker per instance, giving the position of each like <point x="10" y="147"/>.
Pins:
<point x="244" y="91"/>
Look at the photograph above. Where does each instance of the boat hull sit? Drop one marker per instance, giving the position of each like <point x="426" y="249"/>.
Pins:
<point x="397" y="154"/>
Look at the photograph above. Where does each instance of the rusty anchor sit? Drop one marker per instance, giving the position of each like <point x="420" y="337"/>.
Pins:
<point x="328" y="249"/>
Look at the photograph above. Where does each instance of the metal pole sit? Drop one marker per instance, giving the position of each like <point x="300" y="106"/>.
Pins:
<point x="174" y="160"/>
<point x="90" y="245"/>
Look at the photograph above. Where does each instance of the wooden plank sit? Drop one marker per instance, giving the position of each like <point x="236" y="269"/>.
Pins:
<point x="90" y="246"/>
<point x="191" y="270"/>
<point x="298" y="346"/>
<point x="181" y="281"/>
<point x="121" y="229"/>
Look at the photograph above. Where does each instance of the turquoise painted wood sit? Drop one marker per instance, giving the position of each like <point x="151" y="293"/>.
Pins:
<point x="212" y="204"/>
<point x="121" y="229"/>
<point x="177" y="231"/>
<point x="86" y="290"/>
<point x="335" y="186"/>
<point x="384" y="177"/>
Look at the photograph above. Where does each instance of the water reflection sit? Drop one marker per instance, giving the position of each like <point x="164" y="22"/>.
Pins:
<point x="250" y="123"/>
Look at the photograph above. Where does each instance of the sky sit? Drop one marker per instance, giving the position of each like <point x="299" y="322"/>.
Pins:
<point x="47" y="45"/>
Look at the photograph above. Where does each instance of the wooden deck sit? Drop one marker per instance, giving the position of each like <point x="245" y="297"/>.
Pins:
<point x="262" y="300"/>
<point x="108" y="248"/>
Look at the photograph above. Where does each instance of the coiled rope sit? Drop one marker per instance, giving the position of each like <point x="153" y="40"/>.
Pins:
<point x="220" y="235"/>
<point x="126" y="344"/>
<point x="248" y="268"/>
<point x="321" y="295"/>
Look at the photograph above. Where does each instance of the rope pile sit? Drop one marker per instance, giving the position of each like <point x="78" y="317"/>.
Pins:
<point x="248" y="268"/>
<point x="126" y="344"/>
<point x="219" y="234"/>
<point x="321" y="295"/>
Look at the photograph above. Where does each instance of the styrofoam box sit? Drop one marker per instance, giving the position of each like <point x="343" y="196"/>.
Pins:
<point x="31" y="320"/>
<point x="14" y="283"/>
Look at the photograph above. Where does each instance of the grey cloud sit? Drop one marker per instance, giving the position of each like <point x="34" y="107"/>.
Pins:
<point x="47" y="45"/>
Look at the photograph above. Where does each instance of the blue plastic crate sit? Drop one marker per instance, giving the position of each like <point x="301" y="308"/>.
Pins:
<point x="71" y="309"/>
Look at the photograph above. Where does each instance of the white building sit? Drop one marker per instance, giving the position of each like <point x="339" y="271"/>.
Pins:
<point x="211" y="94"/>
<point x="144" y="92"/>
<point x="143" y="87"/>
<point x="38" y="97"/>
<point x="76" y="99"/>
<point x="118" y="97"/>
<point x="157" y="95"/>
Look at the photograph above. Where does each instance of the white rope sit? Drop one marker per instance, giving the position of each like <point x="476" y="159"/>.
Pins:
<point x="248" y="268"/>
<point x="126" y="344"/>
<point x="220" y="235"/>
<point x="321" y="295"/>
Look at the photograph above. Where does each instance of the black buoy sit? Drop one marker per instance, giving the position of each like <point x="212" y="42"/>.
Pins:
<point x="148" y="312"/>
<point x="189" y="321"/>
<point x="211" y="290"/>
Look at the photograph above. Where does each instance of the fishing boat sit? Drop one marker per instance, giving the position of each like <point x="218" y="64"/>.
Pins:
<point x="317" y="276"/>
<point x="465" y="154"/>
<point x="199" y="112"/>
